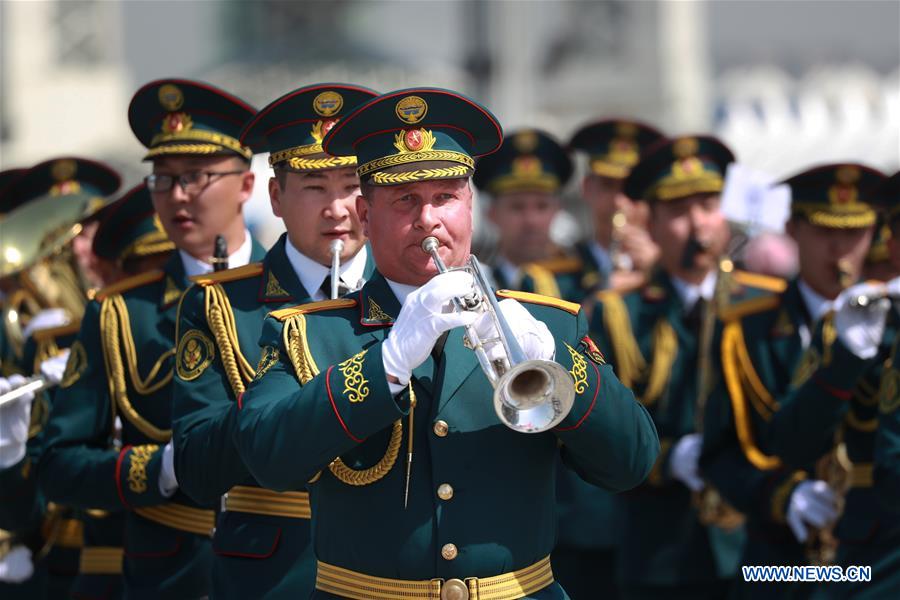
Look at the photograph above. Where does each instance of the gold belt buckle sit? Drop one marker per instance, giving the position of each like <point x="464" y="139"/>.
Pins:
<point x="454" y="589"/>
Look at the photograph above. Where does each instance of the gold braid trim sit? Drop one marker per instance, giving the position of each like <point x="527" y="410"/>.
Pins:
<point x="212" y="138"/>
<point x="630" y="362"/>
<point x="220" y="317"/>
<point x="815" y="215"/>
<point x="406" y="158"/>
<point x="318" y="164"/>
<point x="137" y="469"/>
<point x="732" y="343"/>
<point x="294" y="338"/>
<point x="115" y="328"/>
<point x="544" y="281"/>
<point x="297" y="151"/>
<point x="46" y="349"/>
<point x="631" y="365"/>
<point x="418" y="175"/>
<point x="192" y="149"/>
<point x="375" y="472"/>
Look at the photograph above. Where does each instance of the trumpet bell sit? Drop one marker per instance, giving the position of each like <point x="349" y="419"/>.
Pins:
<point x="534" y="396"/>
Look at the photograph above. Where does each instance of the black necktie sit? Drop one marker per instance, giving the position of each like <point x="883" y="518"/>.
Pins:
<point x="694" y="318"/>
<point x="326" y="287"/>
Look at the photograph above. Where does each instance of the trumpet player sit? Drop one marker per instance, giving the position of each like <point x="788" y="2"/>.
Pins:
<point x="790" y="391"/>
<point x="524" y="179"/>
<point x="48" y="204"/>
<point x="839" y="413"/>
<point x="421" y="490"/>
<point x="315" y="196"/>
<point x="620" y="253"/>
<point x="656" y="340"/>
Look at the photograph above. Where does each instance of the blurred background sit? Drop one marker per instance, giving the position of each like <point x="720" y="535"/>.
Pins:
<point x="786" y="84"/>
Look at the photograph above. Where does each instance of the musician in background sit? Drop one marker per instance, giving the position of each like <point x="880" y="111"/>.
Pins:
<point x="840" y="403"/>
<point x="47" y="293"/>
<point x="658" y="340"/>
<point x="122" y="363"/>
<point x="620" y="253"/>
<point x="789" y="389"/>
<point x="524" y="179"/>
<point x="432" y="494"/>
<point x="262" y="543"/>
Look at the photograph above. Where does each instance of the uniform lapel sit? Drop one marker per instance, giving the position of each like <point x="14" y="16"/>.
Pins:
<point x="455" y="365"/>
<point x="279" y="282"/>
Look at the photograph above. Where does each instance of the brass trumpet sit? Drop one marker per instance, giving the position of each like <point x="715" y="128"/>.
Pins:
<point x="530" y="395"/>
<point x="336" y="247"/>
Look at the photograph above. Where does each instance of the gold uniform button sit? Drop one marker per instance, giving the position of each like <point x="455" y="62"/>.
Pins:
<point x="454" y="589"/>
<point x="445" y="491"/>
<point x="449" y="551"/>
<point x="441" y="428"/>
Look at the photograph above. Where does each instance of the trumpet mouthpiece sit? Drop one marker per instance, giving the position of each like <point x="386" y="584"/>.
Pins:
<point x="430" y="244"/>
<point x="336" y="246"/>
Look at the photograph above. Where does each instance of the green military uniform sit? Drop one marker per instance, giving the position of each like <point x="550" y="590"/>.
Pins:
<point x="830" y="413"/>
<point x="531" y="161"/>
<point x="261" y="545"/>
<point x="122" y="365"/>
<point x="654" y="339"/>
<point x="613" y="148"/>
<point x="64" y="191"/>
<point x="785" y="387"/>
<point x="480" y="496"/>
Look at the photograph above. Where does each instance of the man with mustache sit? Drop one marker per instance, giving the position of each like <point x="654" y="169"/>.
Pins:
<point x="200" y="181"/>
<point x="775" y="352"/>
<point x="261" y="543"/>
<point x="345" y="387"/>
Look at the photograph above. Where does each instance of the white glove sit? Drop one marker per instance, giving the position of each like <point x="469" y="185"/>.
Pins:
<point x="533" y="336"/>
<point x="168" y="484"/>
<point x="683" y="461"/>
<point x="812" y="503"/>
<point x="861" y="328"/>
<point x="15" y="418"/>
<point x="54" y="368"/>
<point x="16" y="566"/>
<point x="47" y="318"/>
<point x="426" y="314"/>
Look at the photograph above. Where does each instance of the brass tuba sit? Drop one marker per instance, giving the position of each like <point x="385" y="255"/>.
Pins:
<point x="530" y="396"/>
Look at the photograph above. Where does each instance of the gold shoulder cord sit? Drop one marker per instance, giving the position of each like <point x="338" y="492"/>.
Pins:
<point x="221" y="321"/>
<point x="115" y="328"/>
<point x="735" y="360"/>
<point x="631" y="365"/>
<point x="295" y="342"/>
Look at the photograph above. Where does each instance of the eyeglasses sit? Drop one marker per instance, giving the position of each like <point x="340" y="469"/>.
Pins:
<point x="191" y="182"/>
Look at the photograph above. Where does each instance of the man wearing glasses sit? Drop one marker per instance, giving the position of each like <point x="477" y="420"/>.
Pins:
<point x="124" y="367"/>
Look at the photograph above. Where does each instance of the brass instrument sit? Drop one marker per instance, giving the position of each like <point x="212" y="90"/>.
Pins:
<point x="834" y="469"/>
<point x="219" y="259"/>
<point x="530" y="396"/>
<point x="712" y="509"/>
<point x="336" y="247"/>
<point x="38" y="261"/>
<point x="845" y="273"/>
<point x="618" y="260"/>
<point x="32" y="384"/>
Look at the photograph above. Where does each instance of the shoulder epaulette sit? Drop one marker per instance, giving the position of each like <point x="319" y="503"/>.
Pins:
<point x="561" y="264"/>
<point x="311" y="307"/>
<point x="51" y="333"/>
<point x="245" y="272"/>
<point x="131" y="283"/>
<point x="758" y="280"/>
<point x="752" y="306"/>
<point x="569" y="307"/>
